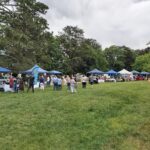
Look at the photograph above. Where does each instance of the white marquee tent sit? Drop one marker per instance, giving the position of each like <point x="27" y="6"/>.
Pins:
<point x="124" y="72"/>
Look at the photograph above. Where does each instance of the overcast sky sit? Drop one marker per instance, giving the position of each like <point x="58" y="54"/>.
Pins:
<point x="110" y="22"/>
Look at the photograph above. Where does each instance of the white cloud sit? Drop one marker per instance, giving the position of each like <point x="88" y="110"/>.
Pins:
<point x="119" y="22"/>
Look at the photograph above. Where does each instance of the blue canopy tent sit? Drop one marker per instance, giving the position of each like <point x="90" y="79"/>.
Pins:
<point x="95" y="72"/>
<point x="40" y="70"/>
<point x="4" y="70"/>
<point x="55" y="72"/>
<point x="144" y="73"/>
<point x="112" y="72"/>
<point x="135" y="72"/>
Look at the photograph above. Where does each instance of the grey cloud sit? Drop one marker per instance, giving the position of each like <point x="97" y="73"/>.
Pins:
<point x="120" y="22"/>
<point x="138" y="1"/>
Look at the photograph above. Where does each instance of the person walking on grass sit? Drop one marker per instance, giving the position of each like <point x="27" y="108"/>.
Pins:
<point x="31" y="84"/>
<point x="73" y="85"/>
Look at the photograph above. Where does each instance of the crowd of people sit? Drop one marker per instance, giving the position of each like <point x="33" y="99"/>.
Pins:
<point x="19" y="82"/>
<point x="15" y="84"/>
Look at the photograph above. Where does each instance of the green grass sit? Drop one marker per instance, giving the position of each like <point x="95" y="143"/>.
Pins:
<point x="109" y="116"/>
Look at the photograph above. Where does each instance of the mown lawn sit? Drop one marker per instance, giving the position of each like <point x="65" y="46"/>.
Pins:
<point x="109" y="116"/>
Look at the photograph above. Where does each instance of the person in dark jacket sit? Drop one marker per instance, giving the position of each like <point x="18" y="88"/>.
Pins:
<point x="15" y="88"/>
<point x="21" y="85"/>
<point x="31" y="84"/>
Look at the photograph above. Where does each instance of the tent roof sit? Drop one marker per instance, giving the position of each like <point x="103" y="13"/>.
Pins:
<point x="135" y="72"/>
<point x="95" y="71"/>
<point x="111" y="72"/>
<point x="55" y="72"/>
<point x="4" y="70"/>
<point x="124" y="71"/>
<point x="40" y="70"/>
<point x="144" y="73"/>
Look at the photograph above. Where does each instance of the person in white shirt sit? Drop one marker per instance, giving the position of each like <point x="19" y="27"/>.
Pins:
<point x="72" y="85"/>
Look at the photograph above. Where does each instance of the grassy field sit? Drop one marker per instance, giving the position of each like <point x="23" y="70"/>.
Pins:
<point x="109" y="116"/>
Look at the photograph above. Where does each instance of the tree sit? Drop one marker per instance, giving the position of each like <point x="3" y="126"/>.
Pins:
<point x="143" y="51"/>
<point x="53" y="57"/>
<point x="129" y="57"/>
<point x="81" y="54"/>
<point x="119" y="57"/>
<point x="23" y="31"/>
<point x="92" y="55"/>
<point x="142" y="63"/>
<point x="70" y="41"/>
<point x="114" y="56"/>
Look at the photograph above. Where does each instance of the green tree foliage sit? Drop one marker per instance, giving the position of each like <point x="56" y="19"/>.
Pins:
<point x="114" y="57"/>
<point x="119" y="57"/>
<point x="143" y="51"/>
<point x="53" y="57"/>
<point x="70" y="41"/>
<point x="81" y="54"/>
<point x="23" y="32"/>
<point x="92" y="55"/>
<point x="142" y="63"/>
<point x="129" y="57"/>
<point x="25" y="41"/>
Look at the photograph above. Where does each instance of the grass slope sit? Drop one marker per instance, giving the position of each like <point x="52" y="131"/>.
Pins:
<point x="110" y="116"/>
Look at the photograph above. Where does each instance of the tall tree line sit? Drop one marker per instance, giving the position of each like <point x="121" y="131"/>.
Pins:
<point x="25" y="40"/>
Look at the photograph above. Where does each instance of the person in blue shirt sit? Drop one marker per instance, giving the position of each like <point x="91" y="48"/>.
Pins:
<point x="59" y="83"/>
<point x="55" y="83"/>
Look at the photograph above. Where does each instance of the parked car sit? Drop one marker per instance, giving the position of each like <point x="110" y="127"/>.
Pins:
<point x="139" y="78"/>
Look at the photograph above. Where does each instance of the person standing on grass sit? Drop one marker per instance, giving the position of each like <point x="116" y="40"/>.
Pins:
<point x="91" y="80"/>
<point x="72" y="85"/>
<point x="15" y="88"/>
<point x="84" y="81"/>
<point x="21" y="85"/>
<point x="59" y="83"/>
<point x="11" y="82"/>
<point x="55" y="83"/>
<point x="68" y="82"/>
<point x="31" y="84"/>
<point x="64" y="82"/>
<point x="48" y="80"/>
<point x="42" y="83"/>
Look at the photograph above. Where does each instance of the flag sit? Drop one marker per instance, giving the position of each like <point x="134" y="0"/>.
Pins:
<point x="35" y="74"/>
